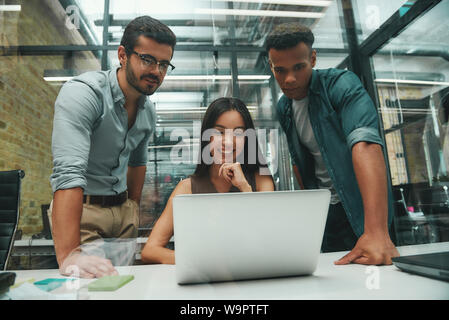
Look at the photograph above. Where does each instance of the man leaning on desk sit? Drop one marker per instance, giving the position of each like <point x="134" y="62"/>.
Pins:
<point x="102" y="125"/>
<point x="332" y="132"/>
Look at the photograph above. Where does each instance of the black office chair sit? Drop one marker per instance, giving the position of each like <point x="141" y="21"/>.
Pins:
<point x="9" y="211"/>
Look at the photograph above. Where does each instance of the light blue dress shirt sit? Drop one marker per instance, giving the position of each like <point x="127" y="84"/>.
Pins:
<point x="91" y="144"/>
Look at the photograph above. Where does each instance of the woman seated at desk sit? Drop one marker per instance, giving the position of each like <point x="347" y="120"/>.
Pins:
<point x="228" y="118"/>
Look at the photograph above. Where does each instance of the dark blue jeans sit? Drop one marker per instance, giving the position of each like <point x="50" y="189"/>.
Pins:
<point x="338" y="233"/>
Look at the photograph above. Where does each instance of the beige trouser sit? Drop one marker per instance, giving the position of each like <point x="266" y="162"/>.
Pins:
<point x="99" y="222"/>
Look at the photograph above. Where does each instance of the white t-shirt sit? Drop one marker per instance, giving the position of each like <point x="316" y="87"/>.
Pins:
<point x="307" y="138"/>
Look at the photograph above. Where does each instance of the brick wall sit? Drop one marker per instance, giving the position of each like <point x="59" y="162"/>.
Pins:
<point x="410" y="143"/>
<point x="27" y="100"/>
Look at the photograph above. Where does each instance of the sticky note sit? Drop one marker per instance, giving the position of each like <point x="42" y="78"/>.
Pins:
<point x="50" y="284"/>
<point x="109" y="283"/>
<point x="18" y="283"/>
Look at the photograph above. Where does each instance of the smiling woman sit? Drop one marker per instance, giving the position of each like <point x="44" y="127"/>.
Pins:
<point x="224" y="123"/>
<point x="226" y="119"/>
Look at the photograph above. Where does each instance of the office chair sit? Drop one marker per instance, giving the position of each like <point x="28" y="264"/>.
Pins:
<point x="9" y="212"/>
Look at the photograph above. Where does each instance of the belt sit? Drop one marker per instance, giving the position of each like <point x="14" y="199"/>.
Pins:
<point x="106" y="201"/>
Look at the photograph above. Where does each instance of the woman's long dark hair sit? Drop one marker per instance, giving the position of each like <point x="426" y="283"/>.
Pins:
<point x="213" y="112"/>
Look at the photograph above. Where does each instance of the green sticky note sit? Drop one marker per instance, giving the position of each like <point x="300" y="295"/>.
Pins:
<point x="109" y="283"/>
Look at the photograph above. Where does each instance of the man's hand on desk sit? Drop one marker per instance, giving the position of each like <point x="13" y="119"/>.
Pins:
<point x="372" y="249"/>
<point x="86" y="266"/>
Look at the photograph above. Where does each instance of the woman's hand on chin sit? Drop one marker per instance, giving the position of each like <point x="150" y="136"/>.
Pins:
<point x="233" y="173"/>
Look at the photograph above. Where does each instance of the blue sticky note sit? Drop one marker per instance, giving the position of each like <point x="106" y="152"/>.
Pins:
<point x="50" y="284"/>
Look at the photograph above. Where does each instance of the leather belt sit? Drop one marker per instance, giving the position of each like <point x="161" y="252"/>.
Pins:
<point x="106" y="201"/>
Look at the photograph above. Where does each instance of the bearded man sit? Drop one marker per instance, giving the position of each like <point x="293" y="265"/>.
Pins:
<point x="103" y="121"/>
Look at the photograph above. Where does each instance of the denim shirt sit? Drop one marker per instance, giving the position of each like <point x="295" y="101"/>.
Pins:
<point x="91" y="144"/>
<point x="342" y="114"/>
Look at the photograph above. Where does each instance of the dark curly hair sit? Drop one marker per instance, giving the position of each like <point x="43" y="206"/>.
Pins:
<point x="288" y="35"/>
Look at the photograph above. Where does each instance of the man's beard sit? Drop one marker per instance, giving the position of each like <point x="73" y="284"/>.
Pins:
<point x="133" y="82"/>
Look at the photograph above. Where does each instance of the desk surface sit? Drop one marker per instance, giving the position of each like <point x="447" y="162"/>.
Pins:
<point x="327" y="282"/>
<point x="50" y="243"/>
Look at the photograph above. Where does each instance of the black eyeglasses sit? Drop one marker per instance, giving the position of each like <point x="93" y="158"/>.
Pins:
<point x="150" y="61"/>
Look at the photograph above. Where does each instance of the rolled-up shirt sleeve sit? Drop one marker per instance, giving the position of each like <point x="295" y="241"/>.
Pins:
<point x="358" y="114"/>
<point x="139" y="156"/>
<point x="77" y="108"/>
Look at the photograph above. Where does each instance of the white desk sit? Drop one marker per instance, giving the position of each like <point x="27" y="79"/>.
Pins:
<point x="328" y="282"/>
<point x="45" y="247"/>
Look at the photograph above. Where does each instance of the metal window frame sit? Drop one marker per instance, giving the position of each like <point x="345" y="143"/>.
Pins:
<point x="21" y="175"/>
<point x="360" y="55"/>
<point x="358" y="59"/>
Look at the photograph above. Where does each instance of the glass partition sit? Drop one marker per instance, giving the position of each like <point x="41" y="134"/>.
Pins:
<point x="412" y="81"/>
<point x="219" y="52"/>
<point x="210" y="37"/>
<point x="371" y="14"/>
<point x="51" y="22"/>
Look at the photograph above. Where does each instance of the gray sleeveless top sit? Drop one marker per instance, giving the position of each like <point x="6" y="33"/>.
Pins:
<point x="205" y="185"/>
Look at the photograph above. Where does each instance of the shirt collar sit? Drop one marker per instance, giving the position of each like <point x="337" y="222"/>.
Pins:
<point x="117" y="93"/>
<point x="314" y="83"/>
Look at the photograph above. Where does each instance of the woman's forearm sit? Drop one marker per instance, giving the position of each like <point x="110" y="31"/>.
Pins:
<point x="154" y="255"/>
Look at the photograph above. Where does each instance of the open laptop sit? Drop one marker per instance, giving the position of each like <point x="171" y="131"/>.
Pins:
<point x="235" y="236"/>
<point x="433" y="265"/>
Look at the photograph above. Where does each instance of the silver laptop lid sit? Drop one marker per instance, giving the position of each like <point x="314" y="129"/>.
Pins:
<point x="232" y="236"/>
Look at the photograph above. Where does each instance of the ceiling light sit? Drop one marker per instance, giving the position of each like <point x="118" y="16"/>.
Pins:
<point x="310" y="3"/>
<point x="254" y="77"/>
<point x="58" y="79"/>
<point x="160" y="111"/>
<point x="428" y="83"/>
<point x="218" y="77"/>
<point x="199" y="77"/>
<point x="183" y="77"/>
<point x="260" y="13"/>
<point x="184" y="97"/>
<point x="10" y="7"/>
<point x="199" y="109"/>
<point x="179" y="112"/>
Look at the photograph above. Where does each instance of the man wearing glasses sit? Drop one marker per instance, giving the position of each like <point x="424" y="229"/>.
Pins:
<point x="102" y="125"/>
